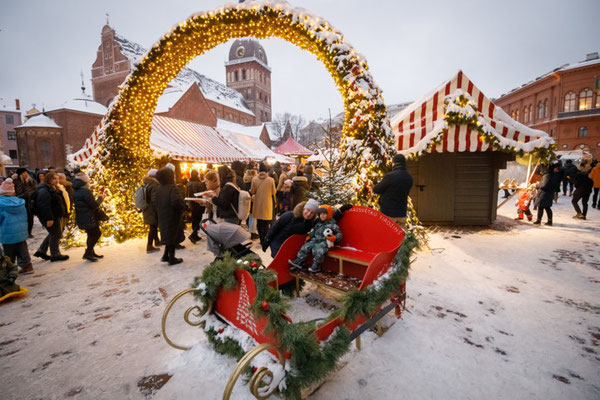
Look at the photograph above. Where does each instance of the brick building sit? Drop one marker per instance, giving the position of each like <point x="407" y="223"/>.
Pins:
<point x="564" y="103"/>
<point x="10" y="118"/>
<point x="41" y="143"/>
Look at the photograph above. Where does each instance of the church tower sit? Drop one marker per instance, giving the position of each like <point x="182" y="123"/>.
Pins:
<point x="248" y="72"/>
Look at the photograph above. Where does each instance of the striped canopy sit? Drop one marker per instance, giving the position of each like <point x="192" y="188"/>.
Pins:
<point x="424" y="120"/>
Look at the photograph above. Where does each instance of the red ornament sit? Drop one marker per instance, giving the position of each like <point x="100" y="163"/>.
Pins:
<point x="254" y="369"/>
<point x="265" y="306"/>
<point x="221" y="330"/>
<point x="254" y="264"/>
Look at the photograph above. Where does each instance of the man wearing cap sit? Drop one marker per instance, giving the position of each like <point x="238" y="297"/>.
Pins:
<point x="299" y="221"/>
<point x="394" y="189"/>
<point x="24" y="188"/>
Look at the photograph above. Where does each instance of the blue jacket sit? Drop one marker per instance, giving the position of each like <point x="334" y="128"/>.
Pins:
<point x="13" y="220"/>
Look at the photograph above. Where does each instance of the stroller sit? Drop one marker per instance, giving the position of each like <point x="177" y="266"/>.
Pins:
<point x="224" y="236"/>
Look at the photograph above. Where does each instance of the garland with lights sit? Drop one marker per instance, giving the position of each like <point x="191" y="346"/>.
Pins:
<point x="461" y="109"/>
<point x="310" y="361"/>
<point x="123" y="153"/>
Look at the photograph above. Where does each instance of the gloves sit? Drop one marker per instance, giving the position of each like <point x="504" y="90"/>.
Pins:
<point x="345" y="207"/>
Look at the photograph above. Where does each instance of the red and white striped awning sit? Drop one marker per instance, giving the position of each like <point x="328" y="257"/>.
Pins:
<point x="188" y="141"/>
<point x="423" y="121"/>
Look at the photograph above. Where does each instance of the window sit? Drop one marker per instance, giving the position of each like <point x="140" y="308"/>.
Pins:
<point x="13" y="154"/>
<point x="583" y="131"/>
<point x="546" y="108"/>
<point x="570" y="99"/>
<point x="598" y="100"/>
<point x="585" y="99"/>
<point x="236" y="76"/>
<point x="540" y="113"/>
<point x="12" y="135"/>
<point x="10" y="119"/>
<point x="512" y="114"/>
<point x="517" y="115"/>
<point x="530" y="113"/>
<point x="525" y="115"/>
<point x="243" y="74"/>
<point x="551" y="132"/>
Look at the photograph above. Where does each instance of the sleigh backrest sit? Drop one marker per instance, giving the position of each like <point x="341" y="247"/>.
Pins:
<point x="369" y="231"/>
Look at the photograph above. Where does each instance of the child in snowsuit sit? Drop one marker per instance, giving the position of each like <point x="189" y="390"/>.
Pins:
<point x="8" y="275"/>
<point x="323" y="236"/>
<point x="523" y="202"/>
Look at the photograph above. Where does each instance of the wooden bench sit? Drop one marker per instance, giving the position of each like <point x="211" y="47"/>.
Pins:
<point x="369" y="244"/>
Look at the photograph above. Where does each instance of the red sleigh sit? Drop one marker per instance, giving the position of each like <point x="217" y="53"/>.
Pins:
<point x="369" y="244"/>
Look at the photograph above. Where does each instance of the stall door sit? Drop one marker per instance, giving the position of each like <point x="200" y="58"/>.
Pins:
<point x="435" y="184"/>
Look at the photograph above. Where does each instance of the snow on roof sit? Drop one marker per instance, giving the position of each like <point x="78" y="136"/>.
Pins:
<point x="425" y="121"/>
<point x="252" y="146"/>
<point x="39" y="121"/>
<point x="594" y="59"/>
<point x="291" y="147"/>
<point x="86" y="105"/>
<point x="253" y="131"/>
<point x="210" y="88"/>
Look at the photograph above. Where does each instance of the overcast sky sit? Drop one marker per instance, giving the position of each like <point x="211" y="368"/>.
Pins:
<point x="410" y="46"/>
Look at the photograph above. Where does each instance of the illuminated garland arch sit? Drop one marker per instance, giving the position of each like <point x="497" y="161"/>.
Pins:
<point x="124" y="155"/>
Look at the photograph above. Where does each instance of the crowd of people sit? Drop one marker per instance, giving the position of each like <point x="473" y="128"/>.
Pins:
<point x="550" y="180"/>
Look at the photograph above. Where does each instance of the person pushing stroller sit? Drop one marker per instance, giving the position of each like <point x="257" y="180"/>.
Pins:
<point x="322" y="237"/>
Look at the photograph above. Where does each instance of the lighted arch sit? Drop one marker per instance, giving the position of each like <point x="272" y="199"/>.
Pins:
<point x="124" y="153"/>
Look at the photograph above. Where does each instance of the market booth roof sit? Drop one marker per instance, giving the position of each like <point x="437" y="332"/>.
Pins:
<point x="188" y="141"/>
<point x="418" y="127"/>
<point x="252" y="146"/>
<point x="292" y="148"/>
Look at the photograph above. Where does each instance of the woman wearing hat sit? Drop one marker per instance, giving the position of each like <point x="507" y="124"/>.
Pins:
<point x="50" y="208"/>
<point x="296" y="222"/>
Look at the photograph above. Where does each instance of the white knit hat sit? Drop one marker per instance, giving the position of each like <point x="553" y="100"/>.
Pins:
<point x="312" y="205"/>
<point x="170" y="166"/>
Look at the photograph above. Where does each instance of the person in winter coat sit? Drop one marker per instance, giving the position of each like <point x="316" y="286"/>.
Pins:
<point x="545" y="195"/>
<point x="283" y="176"/>
<point x="523" y="202"/>
<point x="196" y="185"/>
<point x="149" y="213"/>
<point x="227" y="199"/>
<point x="323" y="236"/>
<point x="24" y="188"/>
<point x="595" y="176"/>
<point x="249" y="175"/>
<point x="238" y="167"/>
<point x="299" y="189"/>
<point x="299" y="221"/>
<point x="308" y="173"/>
<point x="583" y="189"/>
<point x="285" y="200"/>
<point x="50" y="208"/>
<point x="169" y="208"/>
<point x="66" y="189"/>
<point x="263" y="192"/>
<point x="394" y="189"/>
<point x="8" y="275"/>
<point x="86" y="209"/>
<point x="13" y="227"/>
<point x="568" y="169"/>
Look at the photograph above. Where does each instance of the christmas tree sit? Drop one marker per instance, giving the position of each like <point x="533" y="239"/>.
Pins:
<point x="330" y="184"/>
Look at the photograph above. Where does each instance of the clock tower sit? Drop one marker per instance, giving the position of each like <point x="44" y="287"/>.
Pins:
<point x="248" y="72"/>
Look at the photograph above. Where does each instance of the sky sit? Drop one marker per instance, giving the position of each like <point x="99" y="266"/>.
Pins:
<point x="410" y="46"/>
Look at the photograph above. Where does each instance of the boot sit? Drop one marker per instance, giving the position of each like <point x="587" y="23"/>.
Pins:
<point x="193" y="238"/>
<point x="314" y="268"/>
<point x="179" y="246"/>
<point x="549" y="223"/>
<point x="578" y="216"/>
<point x="89" y="255"/>
<point x="61" y="257"/>
<point x="151" y="249"/>
<point x="26" y="270"/>
<point x="172" y="259"/>
<point x="97" y="255"/>
<point x="165" y="256"/>
<point x="537" y="222"/>
<point x="41" y="255"/>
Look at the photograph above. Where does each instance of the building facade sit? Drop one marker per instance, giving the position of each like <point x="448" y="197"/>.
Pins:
<point x="9" y="119"/>
<point x="41" y="143"/>
<point x="564" y="103"/>
<point x="248" y="72"/>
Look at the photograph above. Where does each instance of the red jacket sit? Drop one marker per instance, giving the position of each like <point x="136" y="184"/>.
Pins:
<point x="524" y="199"/>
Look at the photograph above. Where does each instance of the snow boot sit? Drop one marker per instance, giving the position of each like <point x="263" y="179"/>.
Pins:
<point x="172" y="259"/>
<point x="295" y="265"/>
<point x="26" y="270"/>
<point x="41" y="255"/>
<point x="165" y="256"/>
<point x="89" y="255"/>
<point x="151" y="249"/>
<point x="315" y="268"/>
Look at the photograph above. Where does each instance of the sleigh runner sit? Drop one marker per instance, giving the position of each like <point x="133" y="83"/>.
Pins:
<point x="244" y="314"/>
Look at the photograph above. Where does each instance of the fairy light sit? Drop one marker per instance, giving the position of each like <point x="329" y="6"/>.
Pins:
<point x="124" y="153"/>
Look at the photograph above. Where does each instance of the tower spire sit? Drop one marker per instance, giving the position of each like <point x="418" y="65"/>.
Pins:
<point x="82" y="85"/>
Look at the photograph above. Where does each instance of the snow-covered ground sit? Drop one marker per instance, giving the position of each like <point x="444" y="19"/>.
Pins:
<point x="507" y="312"/>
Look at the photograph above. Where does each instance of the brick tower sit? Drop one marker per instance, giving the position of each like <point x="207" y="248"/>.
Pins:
<point x="248" y="72"/>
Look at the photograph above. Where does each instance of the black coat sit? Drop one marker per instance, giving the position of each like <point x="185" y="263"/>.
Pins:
<point x="169" y="207"/>
<point x="582" y="182"/>
<point x="25" y="189"/>
<point x="289" y="223"/>
<point x="195" y="186"/>
<point x="548" y="184"/>
<point x="394" y="189"/>
<point x="299" y="190"/>
<point x="149" y="213"/>
<point x="49" y="204"/>
<point x="86" y="206"/>
<point x="226" y="201"/>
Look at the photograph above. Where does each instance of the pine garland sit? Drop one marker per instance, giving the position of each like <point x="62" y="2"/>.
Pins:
<point x="310" y="361"/>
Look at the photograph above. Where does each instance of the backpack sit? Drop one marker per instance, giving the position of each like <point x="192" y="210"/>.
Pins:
<point x="141" y="202"/>
<point x="244" y="199"/>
